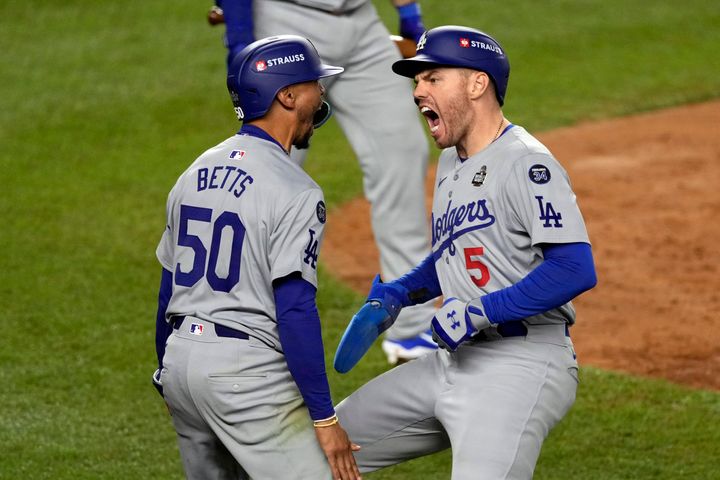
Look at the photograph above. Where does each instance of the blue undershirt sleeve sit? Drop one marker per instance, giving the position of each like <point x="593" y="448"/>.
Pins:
<point x="421" y="283"/>
<point x="162" y="328"/>
<point x="567" y="271"/>
<point x="301" y="340"/>
<point x="238" y="25"/>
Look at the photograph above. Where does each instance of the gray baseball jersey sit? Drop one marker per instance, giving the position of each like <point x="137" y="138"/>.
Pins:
<point x="375" y="109"/>
<point x="496" y="398"/>
<point x="491" y="213"/>
<point x="242" y="215"/>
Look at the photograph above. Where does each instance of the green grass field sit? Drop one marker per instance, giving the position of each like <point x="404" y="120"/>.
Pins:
<point x="105" y="103"/>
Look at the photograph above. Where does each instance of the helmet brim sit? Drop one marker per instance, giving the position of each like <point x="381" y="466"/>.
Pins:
<point x="329" y="70"/>
<point x="410" y="67"/>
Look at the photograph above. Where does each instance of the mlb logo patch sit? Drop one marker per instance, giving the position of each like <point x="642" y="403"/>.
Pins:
<point x="196" y="328"/>
<point x="465" y="42"/>
<point x="260" y="65"/>
<point x="237" y="154"/>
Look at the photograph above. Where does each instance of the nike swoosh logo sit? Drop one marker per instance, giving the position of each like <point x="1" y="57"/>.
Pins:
<point x="442" y="180"/>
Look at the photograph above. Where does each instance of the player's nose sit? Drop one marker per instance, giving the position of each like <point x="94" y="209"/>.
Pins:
<point x="418" y="93"/>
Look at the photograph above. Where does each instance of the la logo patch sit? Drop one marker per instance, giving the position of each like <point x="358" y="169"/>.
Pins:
<point x="550" y="217"/>
<point x="312" y="250"/>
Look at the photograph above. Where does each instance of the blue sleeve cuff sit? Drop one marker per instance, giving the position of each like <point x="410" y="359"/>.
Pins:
<point x="566" y="272"/>
<point x="301" y="340"/>
<point x="409" y="11"/>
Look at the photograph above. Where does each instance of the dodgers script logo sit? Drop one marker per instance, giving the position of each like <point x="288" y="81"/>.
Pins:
<point x="457" y="221"/>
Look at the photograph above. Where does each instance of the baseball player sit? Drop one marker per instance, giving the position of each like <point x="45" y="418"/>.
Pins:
<point x="509" y="253"/>
<point x="373" y="108"/>
<point x="243" y="370"/>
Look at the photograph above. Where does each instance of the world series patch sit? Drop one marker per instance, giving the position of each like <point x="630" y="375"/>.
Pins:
<point x="479" y="177"/>
<point x="539" y="174"/>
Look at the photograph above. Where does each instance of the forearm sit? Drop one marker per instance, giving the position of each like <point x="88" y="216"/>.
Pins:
<point x="301" y="339"/>
<point x="239" y="26"/>
<point x="162" y="327"/>
<point x="567" y="271"/>
<point x="421" y="283"/>
<point x="411" y="22"/>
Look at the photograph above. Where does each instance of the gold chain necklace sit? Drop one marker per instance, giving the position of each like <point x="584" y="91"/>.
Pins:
<point x="497" y="134"/>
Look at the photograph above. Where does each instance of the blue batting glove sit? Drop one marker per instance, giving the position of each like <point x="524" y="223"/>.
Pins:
<point x="456" y="321"/>
<point x="411" y="23"/>
<point x="377" y="315"/>
<point x="390" y="296"/>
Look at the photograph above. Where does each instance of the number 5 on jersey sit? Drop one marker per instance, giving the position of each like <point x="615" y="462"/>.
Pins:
<point x="202" y="265"/>
<point x="472" y="262"/>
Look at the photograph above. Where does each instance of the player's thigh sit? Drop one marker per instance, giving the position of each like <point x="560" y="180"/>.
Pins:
<point x="391" y="417"/>
<point x="203" y="454"/>
<point x="252" y="404"/>
<point x="507" y="396"/>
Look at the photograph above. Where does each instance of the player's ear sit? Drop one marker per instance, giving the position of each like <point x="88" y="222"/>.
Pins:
<point x="287" y="97"/>
<point x="478" y="83"/>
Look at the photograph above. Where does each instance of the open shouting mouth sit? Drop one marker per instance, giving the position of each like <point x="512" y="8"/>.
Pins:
<point x="433" y="119"/>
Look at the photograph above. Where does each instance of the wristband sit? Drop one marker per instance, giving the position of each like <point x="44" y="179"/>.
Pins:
<point x="327" y="422"/>
<point x="410" y="10"/>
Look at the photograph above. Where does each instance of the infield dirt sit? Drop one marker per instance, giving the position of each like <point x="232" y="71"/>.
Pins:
<point x="649" y="189"/>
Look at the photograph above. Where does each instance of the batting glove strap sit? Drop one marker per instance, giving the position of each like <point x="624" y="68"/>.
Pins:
<point x="388" y="296"/>
<point x="475" y="312"/>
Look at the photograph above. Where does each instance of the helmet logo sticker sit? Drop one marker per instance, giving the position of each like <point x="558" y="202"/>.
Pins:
<point x="298" y="57"/>
<point x="260" y="65"/>
<point x="421" y="42"/>
<point x="465" y="43"/>
<point x="239" y="112"/>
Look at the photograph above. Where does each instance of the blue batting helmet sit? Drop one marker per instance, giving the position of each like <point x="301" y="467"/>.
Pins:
<point x="263" y="68"/>
<point x="455" y="46"/>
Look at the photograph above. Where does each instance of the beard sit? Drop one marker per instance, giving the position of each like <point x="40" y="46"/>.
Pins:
<point x="455" y="118"/>
<point x="303" y="142"/>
